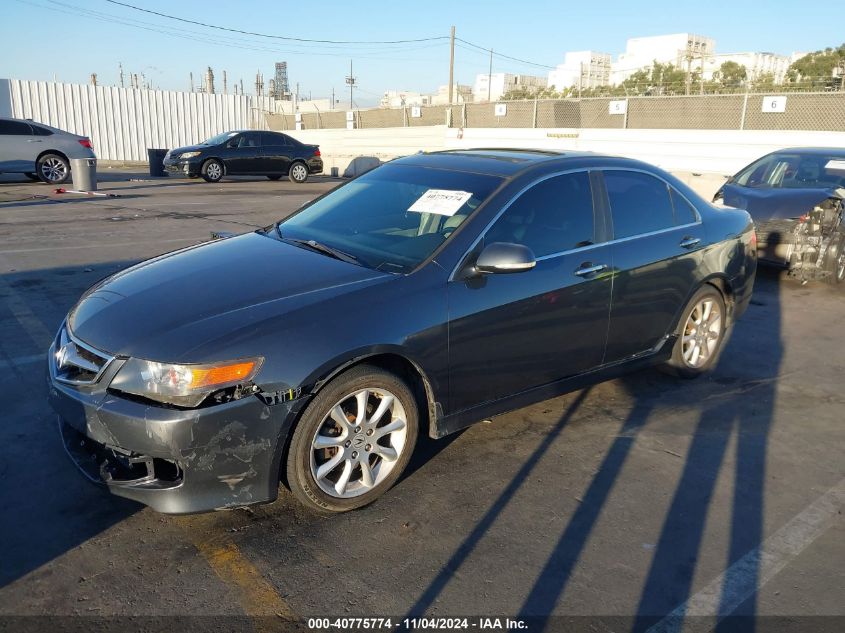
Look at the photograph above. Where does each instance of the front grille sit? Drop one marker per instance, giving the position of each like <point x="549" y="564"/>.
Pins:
<point x="76" y="363"/>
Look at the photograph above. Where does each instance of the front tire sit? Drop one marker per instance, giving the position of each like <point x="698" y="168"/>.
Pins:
<point x="353" y="440"/>
<point x="212" y="170"/>
<point x="700" y="334"/>
<point x="298" y="173"/>
<point x="836" y="262"/>
<point x="53" y="169"/>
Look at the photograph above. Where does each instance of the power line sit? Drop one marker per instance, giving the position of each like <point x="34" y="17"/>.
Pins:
<point x="495" y="54"/>
<point x="277" y="37"/>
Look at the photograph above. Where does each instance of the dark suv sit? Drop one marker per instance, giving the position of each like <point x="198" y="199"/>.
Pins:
<point x="247" y="153"/>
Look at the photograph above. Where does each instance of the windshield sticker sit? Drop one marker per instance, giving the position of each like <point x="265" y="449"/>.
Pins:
<point x="838" y="165"/>
<point x="440" y="201"/>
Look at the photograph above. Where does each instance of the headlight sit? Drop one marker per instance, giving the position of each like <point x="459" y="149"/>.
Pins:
<point x="183" y="385"/>
<point x="189" y="154"/>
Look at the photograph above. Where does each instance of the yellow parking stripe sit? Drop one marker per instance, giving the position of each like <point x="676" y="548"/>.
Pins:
<point x="256" y="596"/>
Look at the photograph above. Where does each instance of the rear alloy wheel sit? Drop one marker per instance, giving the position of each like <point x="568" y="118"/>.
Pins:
<point x="700" y="334"/>
<point x="212" y="170"/>
<point x="353" y="440"/>
<point x="298" y="173"/>
<point x="274" y="176"/>
<point x="53" y="169"/>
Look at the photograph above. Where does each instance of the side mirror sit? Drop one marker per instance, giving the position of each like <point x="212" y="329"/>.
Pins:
<point x="501" y="257"/>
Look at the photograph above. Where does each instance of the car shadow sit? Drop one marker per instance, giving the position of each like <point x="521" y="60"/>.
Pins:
<point x="48" y="507"/>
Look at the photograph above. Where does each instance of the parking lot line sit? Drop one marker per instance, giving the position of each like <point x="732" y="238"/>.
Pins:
<point x="730" y="589"/>
<point x="256" y="596"/>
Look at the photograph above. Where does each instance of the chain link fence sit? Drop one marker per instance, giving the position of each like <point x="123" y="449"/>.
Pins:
<point x="823" y="111"/>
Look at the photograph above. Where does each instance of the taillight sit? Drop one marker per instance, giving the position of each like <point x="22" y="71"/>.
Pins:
<point x="317" y="152"/>
<point x="753" y="238"/>
<point x="85" y="143"/>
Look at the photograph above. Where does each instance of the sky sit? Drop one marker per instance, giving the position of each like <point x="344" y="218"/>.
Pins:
<point x="67" y="40"/>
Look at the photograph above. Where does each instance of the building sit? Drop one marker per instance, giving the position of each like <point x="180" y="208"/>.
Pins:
<point x="281" y="89"/>
<point x="678" y="49"/>
<point x="581" y="69"/>
<point x="402" y="98"/>
<point x="492" y="87"/>
<point x="461" y="93"/>
<point x="756" y="64"/>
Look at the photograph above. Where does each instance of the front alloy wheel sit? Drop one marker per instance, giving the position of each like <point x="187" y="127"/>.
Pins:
<point x="353" y="441"/>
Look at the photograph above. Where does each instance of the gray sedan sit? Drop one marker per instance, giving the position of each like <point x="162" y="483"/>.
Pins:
<point x="39" y="151"/>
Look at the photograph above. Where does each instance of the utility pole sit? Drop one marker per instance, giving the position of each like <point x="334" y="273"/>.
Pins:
<point x="490" y="76"/>
<point x="451" y="63"/>
<point x="225" y="84"/>
<point x="350" y="80"/>
<point x="332" y="97"/>
<point x="120" y="66"/>
<point x="701" y="92"/>
<point x="191" y="79"/>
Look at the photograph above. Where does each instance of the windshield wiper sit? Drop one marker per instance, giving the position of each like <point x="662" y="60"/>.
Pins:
<point x="320" y="248"/>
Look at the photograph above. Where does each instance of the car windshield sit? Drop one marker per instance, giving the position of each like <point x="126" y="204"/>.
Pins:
<point x="220" y="138"/>
<point x="793" y="171"/>
<point x="393" y="217"/>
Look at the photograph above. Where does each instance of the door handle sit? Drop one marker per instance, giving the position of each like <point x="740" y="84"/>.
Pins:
<point x="589" y="270"/>
<point x="33" y="140"/>
<point x="689" y="242"/>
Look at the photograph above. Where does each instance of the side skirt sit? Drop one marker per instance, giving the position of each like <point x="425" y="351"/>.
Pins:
<point x="462" y="419"/>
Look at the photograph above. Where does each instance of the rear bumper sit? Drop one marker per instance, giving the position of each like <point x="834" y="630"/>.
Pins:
<point x="175" y="461"/>
<point x="315" y="165"/>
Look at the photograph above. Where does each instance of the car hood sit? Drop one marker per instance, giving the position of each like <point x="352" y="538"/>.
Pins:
<point x="167" y="308"/>
<point x="188" y="148"/>
<point x="776" y="204"/>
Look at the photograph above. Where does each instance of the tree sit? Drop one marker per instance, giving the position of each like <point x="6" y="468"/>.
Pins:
<point x="730" y="75"/>
<point x="816" y="70"/>
<point x="660" y="79"/>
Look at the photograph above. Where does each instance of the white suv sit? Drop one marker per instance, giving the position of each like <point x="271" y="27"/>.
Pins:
<point x="40" y="151"/>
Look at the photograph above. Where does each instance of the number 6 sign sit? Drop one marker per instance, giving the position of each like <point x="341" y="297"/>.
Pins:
<point x="774" y="104"/>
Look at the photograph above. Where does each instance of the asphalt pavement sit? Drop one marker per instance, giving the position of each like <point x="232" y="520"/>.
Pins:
<point x="637" y="499"/>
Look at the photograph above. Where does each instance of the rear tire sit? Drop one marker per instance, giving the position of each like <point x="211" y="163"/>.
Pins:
<point x="700" y="334"/>
<point x="273" y="176"/>
<point x="212" y="170"/>
<point x="836" y="262"/>
<point x="53" y="169"/>
<point x="342" y="457"/>
<point x="298" y="173"/>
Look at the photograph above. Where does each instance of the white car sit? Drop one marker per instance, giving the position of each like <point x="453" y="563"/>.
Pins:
<point x="39" y="151"/>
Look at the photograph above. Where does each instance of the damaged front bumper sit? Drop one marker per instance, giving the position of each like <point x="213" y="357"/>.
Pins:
<point x="176" y="461"/>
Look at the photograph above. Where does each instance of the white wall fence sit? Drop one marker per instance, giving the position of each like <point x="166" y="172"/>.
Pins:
<point x="123" y="122"/>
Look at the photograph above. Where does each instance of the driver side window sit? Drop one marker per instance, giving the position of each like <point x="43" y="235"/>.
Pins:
<point x="552" y="216"/>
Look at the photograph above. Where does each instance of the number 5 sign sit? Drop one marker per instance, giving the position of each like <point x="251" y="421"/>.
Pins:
<point x="617" y="107"/>
<point x="774" y="104"/>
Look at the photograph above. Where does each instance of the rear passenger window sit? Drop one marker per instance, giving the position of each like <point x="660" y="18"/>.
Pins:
<point x="684" y="211"/>
<point x="15" y="128"/>
<point x="639" y="203"/>
<point x="552" y="216"/>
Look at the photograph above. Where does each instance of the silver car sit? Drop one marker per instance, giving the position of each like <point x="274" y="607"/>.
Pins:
<point x="39" y="151"/>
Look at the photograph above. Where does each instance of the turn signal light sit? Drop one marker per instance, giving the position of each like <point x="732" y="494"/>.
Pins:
<point x="223" y="374"/>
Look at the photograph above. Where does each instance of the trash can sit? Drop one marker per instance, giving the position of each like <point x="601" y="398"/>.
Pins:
<point x="156" y="160"/>
<point x="84" y="173"/>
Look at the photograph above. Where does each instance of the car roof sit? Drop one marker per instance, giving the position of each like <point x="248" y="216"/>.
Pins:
<point x="495" y="161"/>
<point x="813" y="151"/>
